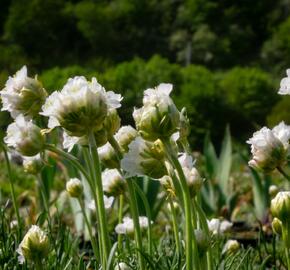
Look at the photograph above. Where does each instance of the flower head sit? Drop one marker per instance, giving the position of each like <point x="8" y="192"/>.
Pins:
<point x="25" y="137"/>
<point x="23" y="95"/>
<point x="35" y="245"/>
<point x="113" y="182"/>
<point x="285" y="84"/>
<point x="122" y="266"/>
<point x="231" y="246"/>
<point x="127" y="227"/>
<point x="108" y="202"/>
<point x="280" y="206"/>
<point x="277" y="226"/>
<point x="269" y="147"/>
<point x="74" y="187"/>
<point x="80" y="107"/>
<point x="218" y="227"/>
<point x="144" y="158"/>
<point x="33" y="164"/>
<point x="202" y="240"/>
<point x="159" y="117"/>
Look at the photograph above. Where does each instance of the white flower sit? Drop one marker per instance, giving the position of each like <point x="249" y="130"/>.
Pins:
<point x="113" y="182"/>
<point x="127" y="227"/>
<point x="269" y="147"/>
<point x="32" y="164"/>
<point x="159" y="117"/>
<point x="186" y="160"/>
<point x="80" y="106"/>
<point x="285" y="84"/>
<point x="108" y="202"/>
<point x="34" y="246"/>
<point x="125" y="136"/>
<point x="218" y="227"/>
<point x="231" y="246"/>
<point x="25" y="137"/>
<point x="22" y="95"/>
<point x="74" y="187"/>
<point x="122" y="266"/>
<point x="144" y="158"/>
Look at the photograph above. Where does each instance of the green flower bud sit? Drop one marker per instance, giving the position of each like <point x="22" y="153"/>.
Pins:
<point x="277" y="226"/>
<point x="231" y="246"/>
<point x="33" y="165"/>
<point x="25" y="137"/>
<point x="159" y="117"/>
<point x="280" y="206"/>
<point x="273" y="190"/>
<point x="35" y="245"/>
<point x="112" y="122"/>
<point x="74" y="187"/>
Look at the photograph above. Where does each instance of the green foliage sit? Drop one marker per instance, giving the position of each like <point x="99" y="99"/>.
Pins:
<point x="280" y="112"/>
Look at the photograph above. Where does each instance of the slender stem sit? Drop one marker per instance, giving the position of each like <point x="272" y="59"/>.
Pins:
<point x="116" y="147"/>
<point x="175" y="227"/>
<point x="120" y="217"/>
<point x="93" y="240"/>
<point x="135" y="216"/>
<point x="280" y="169"/>
<point x="148" y="213"/>
<point x="11" y="182"/>
<point x="100" y="198"/>
<point x="204" y="225"/>
<point x="190" y="237"/>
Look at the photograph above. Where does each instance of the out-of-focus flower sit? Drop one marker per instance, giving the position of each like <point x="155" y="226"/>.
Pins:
<point x="159" y="117"/>
<point x="13" y="224"/>
<point x="202" y="241"/>
<point x="25" y="137"/>
<point x="108" y="202"/>
<point x="34" y="246"/>
<point x="280" y="206"/>
<point x="273" y="190"/>
<point x="23" y="95"/>
<point x="108" y="156"/>
<point x="122" y="266"/>
<point x="219" y="227"/>
<point x="285" y="84"/>
<point x="231" y="246"/>
<point x="113" y="183"/>
<point x="269" y="147"/>
<point x="33" y="165"/>
<point x="75" y="188"/>
<point x="277" y="226"/>
<point x="80" y="107"/>
<point x="144" y="158"/>
<point x="127" y="227"/>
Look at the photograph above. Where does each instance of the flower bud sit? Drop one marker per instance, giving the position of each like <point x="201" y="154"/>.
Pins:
<point x="159" y="117"/>
<point x="273" y="190"/>
<point x="108" y="156"/>
<point x="112" y="123"/>
<point x="125" y="136"/>
<point x="35" y="245"/>
<point x="277" y="226"/>
<point x="23" y="95"/>
<point x="113" y="183"/>
<point x="280" y="206"/>
<point x="193" y="179"/>
<point x="74" y="187"/>
<point x="25" y="137"/>
<point x="202" y="241"/>
<point x="184" y="125"/>
<point x="144" y="158"/>
<point x="231" y="246"/>
<point x="33" y="165"/>
<point x="269" y="147"/>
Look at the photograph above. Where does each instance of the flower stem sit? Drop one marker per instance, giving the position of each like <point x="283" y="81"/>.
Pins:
<point x="93" y="240"/>
<point x="280" y="169"/>
<point x="120" y="217"/>
<point x="175" y="227"/>
<point x="100" y="197"/>
<point x="190" y="238"/>
<point x="135" y="216"/>
<point x="12" y="190"/>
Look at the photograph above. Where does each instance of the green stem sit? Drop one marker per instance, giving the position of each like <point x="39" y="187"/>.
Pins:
<point x="286" y="238"/>
<point x="120" y="218"/>
<point x="190" y="238"/>
<point x="100" y="198"/>
<point x="148" y="213"/>
<point x="93" y="240"/>
<point x="12" y="190"/>
<point x="135" y="216"/>
<point x="175" y="227"/>
<point x="204" y="225"/>
<point x="116" y="147"/>
<point x="280" y="169"/>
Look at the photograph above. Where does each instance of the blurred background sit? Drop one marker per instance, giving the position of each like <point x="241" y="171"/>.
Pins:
<point x="225" y="58"/>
